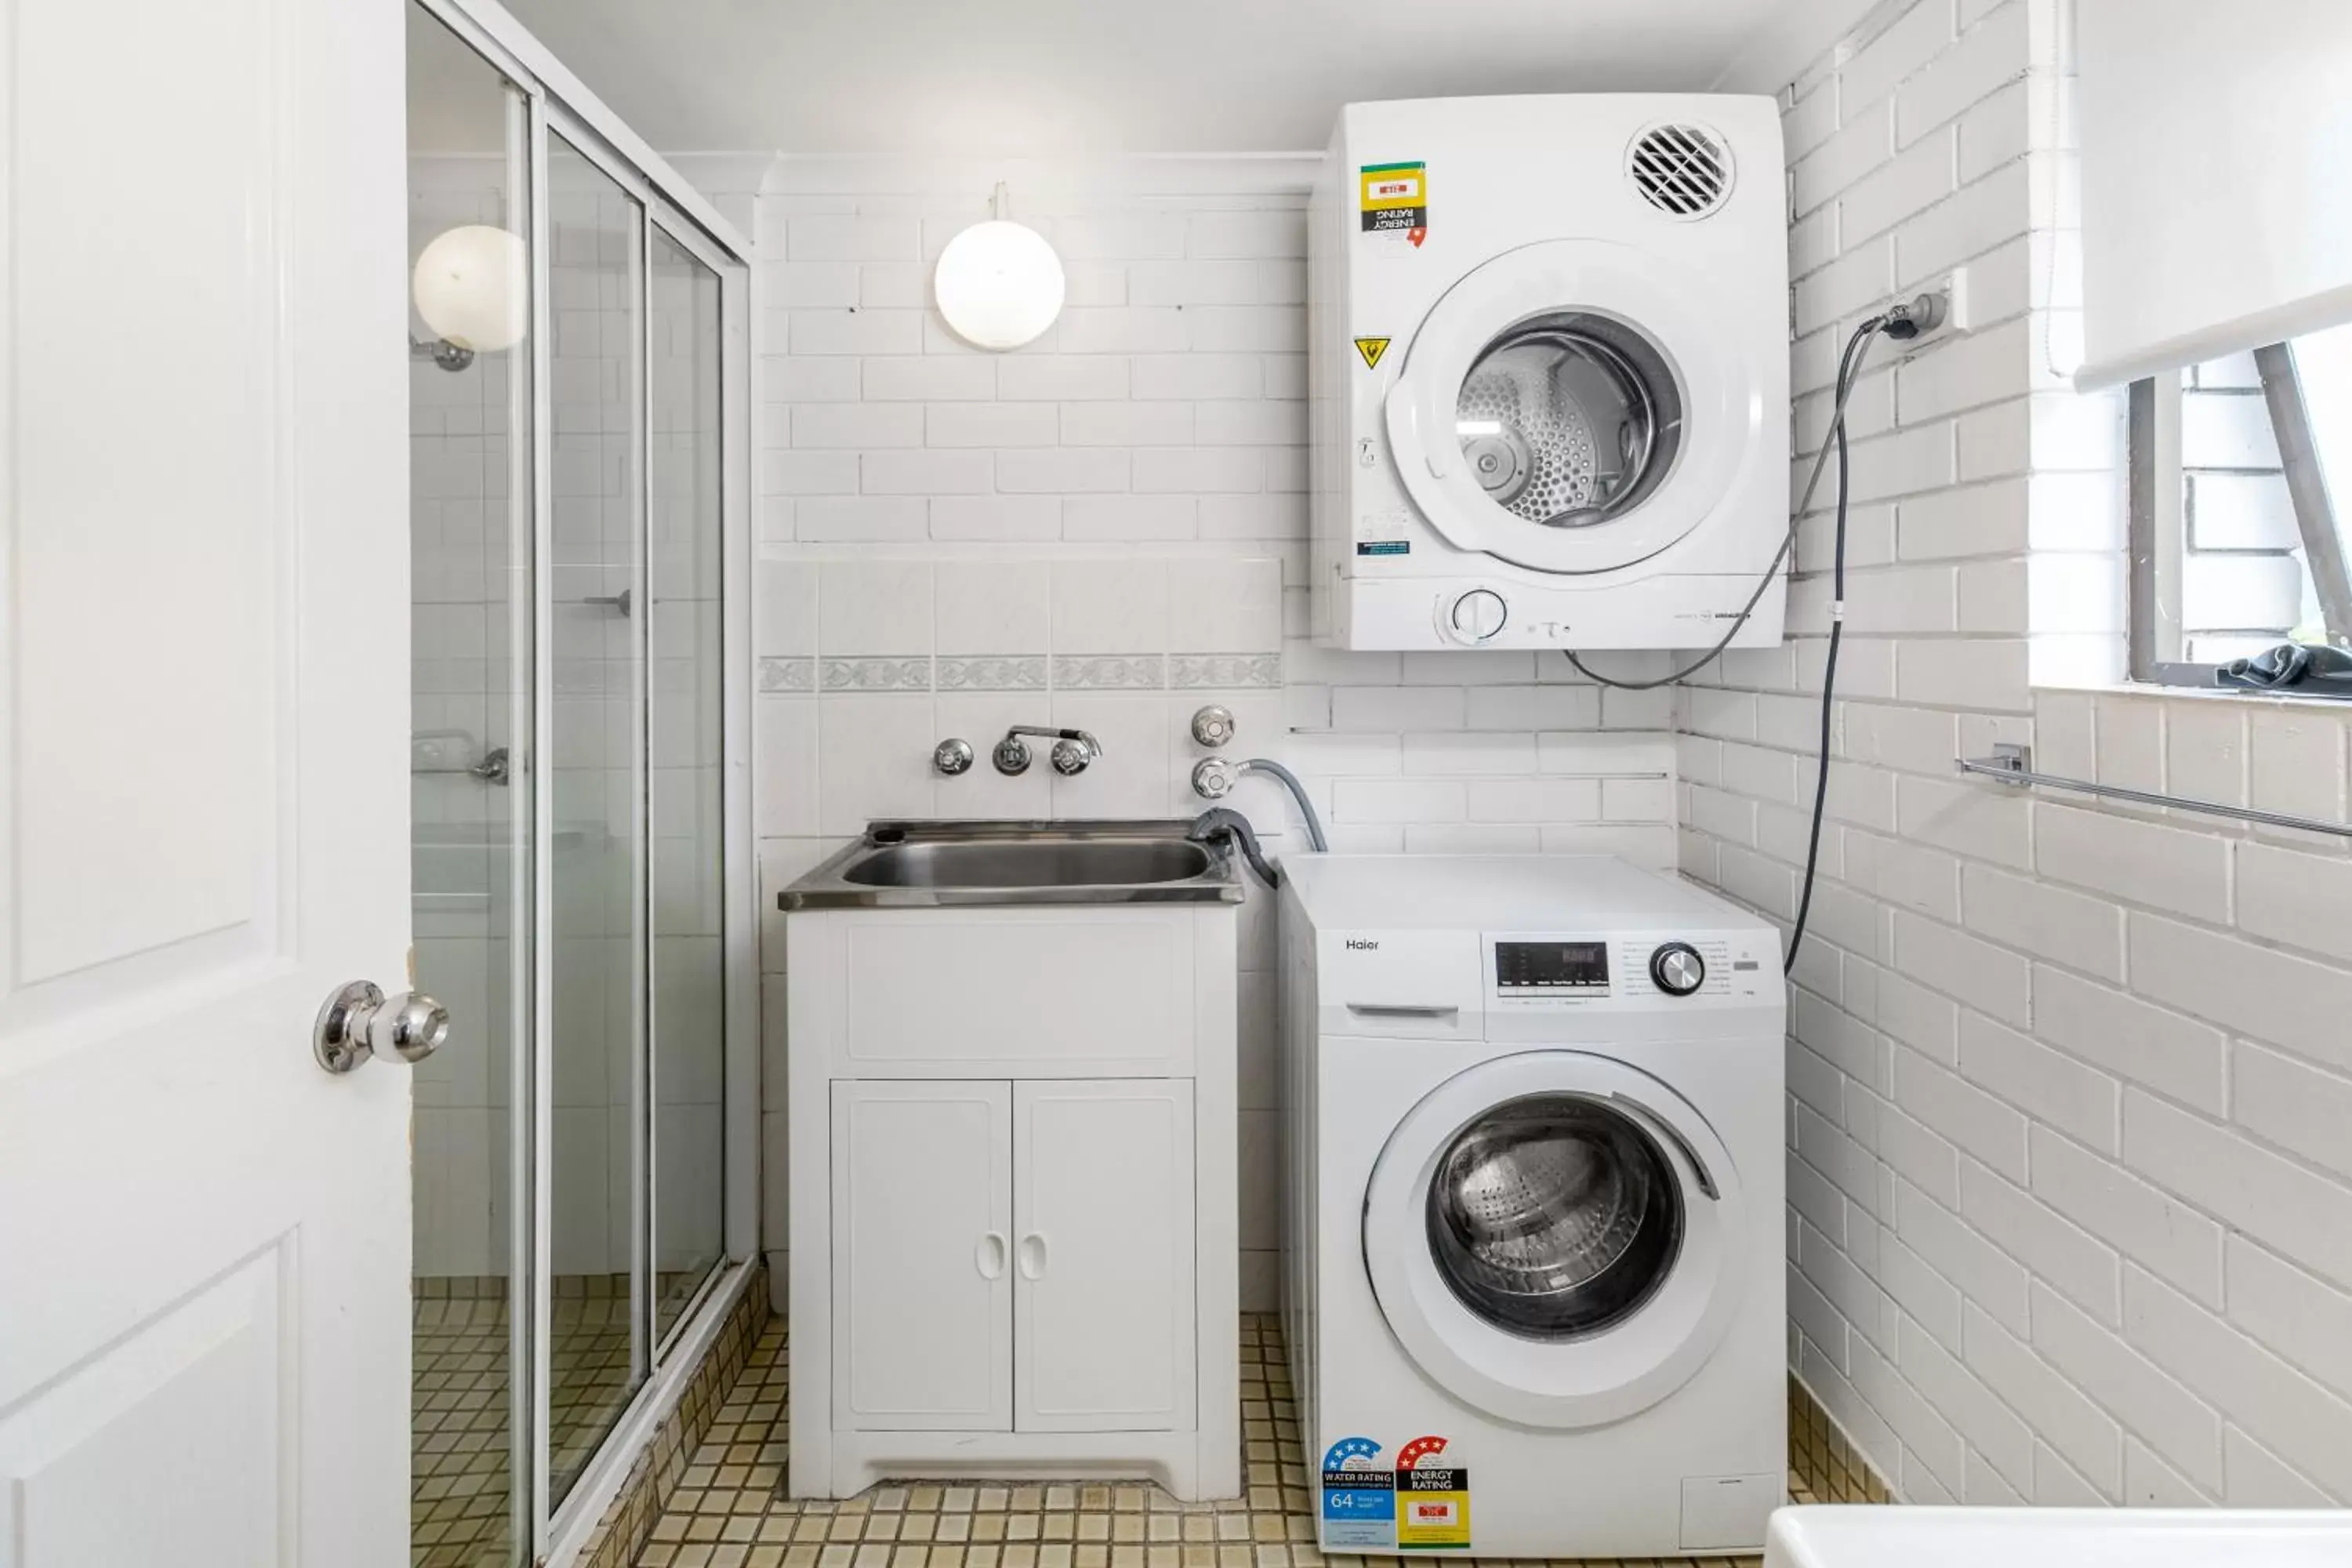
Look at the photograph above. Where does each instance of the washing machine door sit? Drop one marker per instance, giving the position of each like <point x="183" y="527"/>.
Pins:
<point x="1557" y="1238"/>
<point x="1574" y="406"/>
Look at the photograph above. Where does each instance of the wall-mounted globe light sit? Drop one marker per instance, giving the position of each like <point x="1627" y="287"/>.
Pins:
<point x="999" y="283"/>
<point x="472" y="286"/>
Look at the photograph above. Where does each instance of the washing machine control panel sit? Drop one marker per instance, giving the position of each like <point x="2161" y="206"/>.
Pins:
<point x="1623" y="970"/>
<point x="1551" y="968"/>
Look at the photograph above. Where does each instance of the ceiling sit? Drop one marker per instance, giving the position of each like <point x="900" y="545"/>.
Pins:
<point x="1050" y="76"/>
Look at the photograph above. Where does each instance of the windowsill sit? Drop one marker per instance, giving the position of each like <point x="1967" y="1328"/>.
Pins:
<point x="2200" y="694"/>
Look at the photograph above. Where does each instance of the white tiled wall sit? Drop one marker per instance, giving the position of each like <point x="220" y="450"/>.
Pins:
<point x="1104" y="529"/>
<point x="2070" y="1197"/>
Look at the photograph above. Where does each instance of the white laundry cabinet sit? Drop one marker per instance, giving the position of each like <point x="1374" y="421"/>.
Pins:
<point x="1013" y="1228"/>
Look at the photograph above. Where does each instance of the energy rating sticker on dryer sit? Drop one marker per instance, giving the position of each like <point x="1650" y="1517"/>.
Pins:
<point x="1394" y="199"/>
<point x="1433" y="1501"/>
<point x="1359" y="1496"/>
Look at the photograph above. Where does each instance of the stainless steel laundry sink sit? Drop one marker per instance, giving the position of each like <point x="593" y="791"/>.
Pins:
<point x="901" y="864"/>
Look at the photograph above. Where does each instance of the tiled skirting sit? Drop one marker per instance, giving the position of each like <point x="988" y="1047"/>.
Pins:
<point x="1822" y="1462"/>
<point x="728" y="1512"/>
<point x="646" y="1491"/>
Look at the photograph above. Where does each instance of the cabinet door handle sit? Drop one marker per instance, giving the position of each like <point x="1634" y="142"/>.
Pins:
<point x="1032" y="1255"/>
<point x="988" y="1256"/>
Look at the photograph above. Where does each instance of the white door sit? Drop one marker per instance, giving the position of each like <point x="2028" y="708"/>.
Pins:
<point x="1102" y="1209"/>
<point x="922" y="1300"/>
<point x="203" y="1335"/>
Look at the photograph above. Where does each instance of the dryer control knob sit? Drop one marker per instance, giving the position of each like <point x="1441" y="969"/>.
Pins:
<point x="1676" y="969"/>
<point x="1478" y="614"/>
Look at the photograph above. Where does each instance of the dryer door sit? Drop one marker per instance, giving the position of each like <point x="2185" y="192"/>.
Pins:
<point x="1574" y="406"/>
<point x="1555" y="1238"/>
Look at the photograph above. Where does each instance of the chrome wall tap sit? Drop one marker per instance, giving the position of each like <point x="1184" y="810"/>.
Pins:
<point x="1074" y="749"/>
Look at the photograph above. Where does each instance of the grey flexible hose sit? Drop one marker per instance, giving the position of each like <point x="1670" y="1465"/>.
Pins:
<point x="1224" y="822"/>
<point x="1315" y="839"/>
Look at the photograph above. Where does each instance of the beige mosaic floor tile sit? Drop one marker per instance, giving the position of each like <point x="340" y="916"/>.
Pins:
<point x="458" y="1421"/>
<point x="728" y="1512"/>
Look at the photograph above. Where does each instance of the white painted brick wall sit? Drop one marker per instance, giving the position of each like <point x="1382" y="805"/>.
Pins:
<point x="2071" y="1209"/>
<point x="1159" y="424"/>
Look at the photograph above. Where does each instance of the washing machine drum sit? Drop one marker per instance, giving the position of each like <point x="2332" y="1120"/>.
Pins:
<point x="1554" y="1216"/>
<point x="1569" y="419"/>
<point x="1555" y="1238"/>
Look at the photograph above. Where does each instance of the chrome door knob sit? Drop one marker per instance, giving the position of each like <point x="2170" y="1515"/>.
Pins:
<point x="360" y="1021"/>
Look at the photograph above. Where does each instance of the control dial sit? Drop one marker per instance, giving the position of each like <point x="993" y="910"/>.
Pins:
<point x="1477" y="616"/>
<point x="1676" y="969"/>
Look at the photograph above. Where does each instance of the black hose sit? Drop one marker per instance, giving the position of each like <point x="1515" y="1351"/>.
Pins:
<point x="1849" y="365"/>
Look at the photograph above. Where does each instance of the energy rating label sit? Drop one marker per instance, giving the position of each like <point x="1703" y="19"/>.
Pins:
<point x="1359" y="1496"/>
<point x="1433" y="1501"/>
<point x="1394" y="199"/>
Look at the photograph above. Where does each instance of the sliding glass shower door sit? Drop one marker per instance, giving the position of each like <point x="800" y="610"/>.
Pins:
<point x="576" y="487"/>
<point x="473" y="677"/>
<point x="597" y="786"/>
<point x="688" y="722"/>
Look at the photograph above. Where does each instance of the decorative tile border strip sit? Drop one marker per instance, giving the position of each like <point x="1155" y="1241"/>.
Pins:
<point x="1822" y="1462"/>
<point x="1110" y="672"/>
<point x="1193" y="672"/>
<point x="621" y="1534"/>
<point x="897" y="672"/>
<point x="787" y="675"/>
<point x="993" y="672"/>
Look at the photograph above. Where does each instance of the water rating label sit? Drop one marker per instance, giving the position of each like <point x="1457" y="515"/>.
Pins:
<point x="1359" y="1496"/>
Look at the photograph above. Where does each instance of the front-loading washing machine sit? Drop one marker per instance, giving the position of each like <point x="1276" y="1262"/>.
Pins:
<point x="1549" y="369"/>
<point x="1533" y="1237"/>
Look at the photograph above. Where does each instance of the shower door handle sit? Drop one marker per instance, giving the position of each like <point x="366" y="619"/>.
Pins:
<point x="360" y="1021"/>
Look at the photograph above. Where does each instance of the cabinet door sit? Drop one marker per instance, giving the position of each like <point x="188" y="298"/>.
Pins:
<point x="1103" y="1252"/>
<point x="922" y="1297"/>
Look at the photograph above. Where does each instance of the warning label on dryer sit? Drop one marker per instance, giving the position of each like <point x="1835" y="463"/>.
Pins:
<point x="1359" y="1496"/>
<point x="1393" y="199"/>
<point x="1433" y="1501"/>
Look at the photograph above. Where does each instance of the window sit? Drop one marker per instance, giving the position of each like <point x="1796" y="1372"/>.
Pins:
<point x="2236" y="545"/>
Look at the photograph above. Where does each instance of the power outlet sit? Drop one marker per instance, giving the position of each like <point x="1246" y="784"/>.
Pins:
<point x="1958" y="316"/>
<point x="1942" y="305"/>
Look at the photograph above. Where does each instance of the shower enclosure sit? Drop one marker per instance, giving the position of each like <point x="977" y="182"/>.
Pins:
<point x="583" y="1151"/>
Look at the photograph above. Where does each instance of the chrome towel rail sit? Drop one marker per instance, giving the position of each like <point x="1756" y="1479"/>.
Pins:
<point x="2014" y="765"/>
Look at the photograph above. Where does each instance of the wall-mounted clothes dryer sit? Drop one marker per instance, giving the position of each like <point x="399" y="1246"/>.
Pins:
<point x="1549" y="371"/>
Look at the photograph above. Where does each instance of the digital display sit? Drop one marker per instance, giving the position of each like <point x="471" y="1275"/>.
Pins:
<point x="1551" y="965"/>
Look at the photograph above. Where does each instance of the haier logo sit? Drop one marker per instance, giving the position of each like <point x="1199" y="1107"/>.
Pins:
<point x="1362" y="944"/>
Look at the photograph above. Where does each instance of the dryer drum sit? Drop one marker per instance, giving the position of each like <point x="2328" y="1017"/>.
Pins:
<point x="1569" y="419"/>
<point x="1554" y="1216"/>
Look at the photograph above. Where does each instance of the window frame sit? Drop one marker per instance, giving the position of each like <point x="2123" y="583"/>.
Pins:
<point x="2157" y="522"/>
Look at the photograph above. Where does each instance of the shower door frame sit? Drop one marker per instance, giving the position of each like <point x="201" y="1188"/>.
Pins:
<point x="558" y="105"/>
